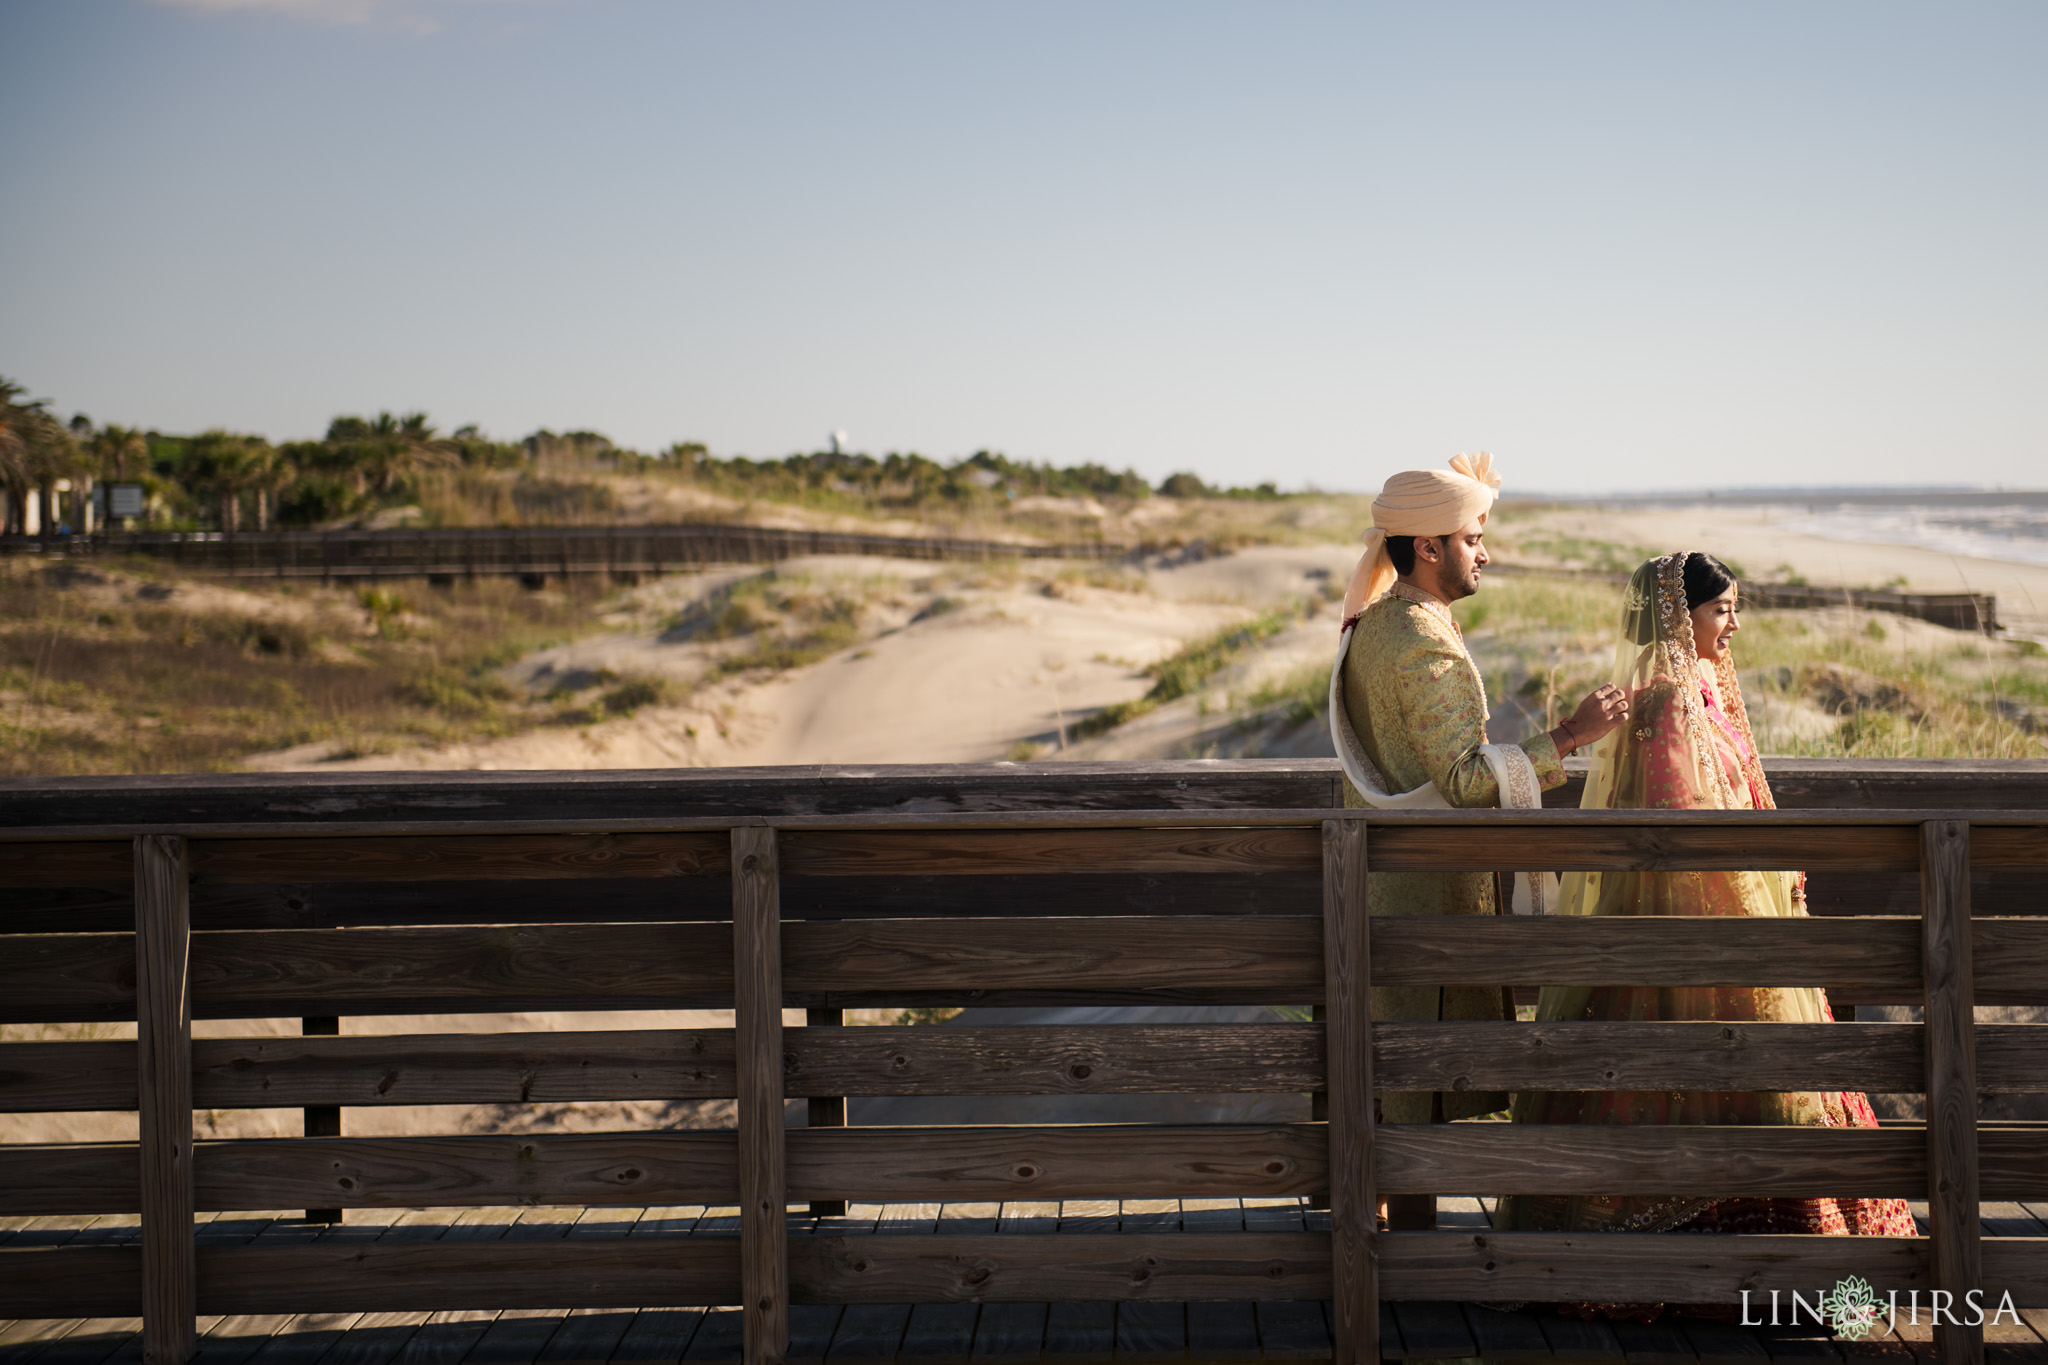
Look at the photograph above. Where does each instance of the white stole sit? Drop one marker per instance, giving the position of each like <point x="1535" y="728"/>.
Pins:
<point x="1513" y="774"/>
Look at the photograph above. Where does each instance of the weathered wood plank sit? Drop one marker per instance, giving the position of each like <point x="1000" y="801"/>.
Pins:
<point x="1495" y="1266"/>
<point x="1952" y="1170"/>
<point x="757" y="1017"/>
<point x="1245" y="955"/>
<point x="398" y="1277"/>
<point x="823" y="853"/>
<point x="821" y="1110"/>
<point x="1079" y="1162"/>
<point x="43" y="1077"/>
<point x="1347" y="959"/>
<point x="293" y="972"/>
<point x="1654" y="1056"/>
<point x="1687" y="951"/>
<point x="1564" y="1159"/>
<point x="2010" y="956"/>
<point x="103" y="864"/>
<point x="458" y="857"/>
<point x="1399" y="846"/>
<point x="163" y="1065"/>
<point x="567" y="1168"/>
<point x="2009" y="845"/>
<point x="1075" y="1267"/>
<point x="70" y="1282"/>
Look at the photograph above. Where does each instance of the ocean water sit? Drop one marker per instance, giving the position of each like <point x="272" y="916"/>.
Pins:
<point x="2012" y="529"/>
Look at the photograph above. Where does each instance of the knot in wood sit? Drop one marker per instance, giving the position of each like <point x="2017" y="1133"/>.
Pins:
<point x="1080" y="1071"/>
<point x="977" y="1274"/>
<point x="750" y="862"/>
<point x="1026" y="1172"/>
<point x="1275" y="1167"/>
<point x="859" y="1267"/>
<point x="899" y="1062"/>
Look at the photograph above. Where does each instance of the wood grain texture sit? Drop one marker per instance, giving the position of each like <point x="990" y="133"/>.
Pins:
<point x="1476" y="1055"/>
<point x="1248" y="957"/>
<point x="1658" y="844"/>
<point x="1492" y="1266"/>
<point x="458" y="857"/>
<point x="1660" y="951"/>
<point x="1070" y="1267"/>
<point x="57" y="1077"/>
<point x="1951" y="1137"/>
<point x="434" y="1276"/>
<point x="67" y="978"/>
<point x="1347" y="995"/>
<point x="2010" y="845"/>
<point x="1590" y="1159"/>
<point x="757" y="1029"/>
<point x="1107" y="852"/>
<point x="1078" y="1162"/>
<point x="2009" y="956"/>
<point x="2019" y="1264"/>
<point x="104" y="864"/>
<point x="462" y="1068"/>
<point x="163" y="1065"/>
<point x="563" y="1168"/>
<point x="38" y="1179"/>
<point x="70" y="1282"/>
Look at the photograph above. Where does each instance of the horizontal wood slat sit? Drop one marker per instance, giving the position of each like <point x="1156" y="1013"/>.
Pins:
<point x="2008" y="845"/>
<point x="1697" y="1161"/>
<point x="1647" y="951"/>
<point x="1111" y="852"/>
<point x="1491" y="1266"/>
<point x="1476" y="1055"/>
<point x="459" y="857"/>
<point x="1069" y="1267"/>
<point x="1655" y="844"/>
<point x="1102" y="1161"/>
<point x="70" y="1282"/>
<point x="698" y="1167"/>
<point x="396" y="1278"/>
<point x="1247" y="957"/>
<point x="2009" y="958"/>
<point x="372" y="1277"/>
<point x="1105" y="1059"/>
<point x="107" y="865"/>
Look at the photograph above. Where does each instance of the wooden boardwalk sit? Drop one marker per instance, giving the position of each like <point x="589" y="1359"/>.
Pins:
<point x="931" y="1333"/>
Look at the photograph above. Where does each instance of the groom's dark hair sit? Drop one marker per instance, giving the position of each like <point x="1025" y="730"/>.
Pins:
<point x="1401" y="552"/>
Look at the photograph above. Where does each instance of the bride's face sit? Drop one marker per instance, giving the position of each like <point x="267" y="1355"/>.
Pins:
<point x="1714" y="625"/>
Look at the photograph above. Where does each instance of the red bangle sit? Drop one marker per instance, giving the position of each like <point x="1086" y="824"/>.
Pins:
<point x="1570" y="733"/>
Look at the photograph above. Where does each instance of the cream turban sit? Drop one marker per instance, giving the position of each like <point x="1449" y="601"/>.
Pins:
<point x="1420" y="502"/>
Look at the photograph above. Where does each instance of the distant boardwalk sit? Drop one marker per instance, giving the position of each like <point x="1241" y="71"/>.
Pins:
<point x="521" y="552"/>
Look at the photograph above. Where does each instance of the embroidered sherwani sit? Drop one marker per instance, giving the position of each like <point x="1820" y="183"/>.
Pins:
<point x="1419" y="708"/>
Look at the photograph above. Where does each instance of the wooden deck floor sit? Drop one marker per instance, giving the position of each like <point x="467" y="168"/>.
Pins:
<point x="926" y="1334"/>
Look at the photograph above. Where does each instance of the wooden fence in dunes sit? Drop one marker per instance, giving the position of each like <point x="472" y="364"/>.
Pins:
<point x="827" y="913"/>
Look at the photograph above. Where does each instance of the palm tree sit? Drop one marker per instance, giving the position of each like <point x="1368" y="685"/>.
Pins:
<point x="35" y="452"/>
<point x="226" y="466"/>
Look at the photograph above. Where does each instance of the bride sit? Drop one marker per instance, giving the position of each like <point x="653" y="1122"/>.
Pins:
<point x="1687" y="746"/>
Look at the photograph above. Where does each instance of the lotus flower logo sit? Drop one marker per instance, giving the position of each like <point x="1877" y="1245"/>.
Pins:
<point x="1852" y="1308"/>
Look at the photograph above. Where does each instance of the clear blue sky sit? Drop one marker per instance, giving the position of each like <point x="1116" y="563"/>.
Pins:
<point x="1623" y="246"/>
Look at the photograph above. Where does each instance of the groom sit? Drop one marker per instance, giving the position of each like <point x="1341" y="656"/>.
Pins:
<point x="1409" y="693"/>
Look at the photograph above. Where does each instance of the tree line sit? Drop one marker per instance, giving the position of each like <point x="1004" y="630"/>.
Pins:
<point x="232" y="481"/>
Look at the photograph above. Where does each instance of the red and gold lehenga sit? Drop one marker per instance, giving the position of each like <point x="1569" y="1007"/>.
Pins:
<point x="1687" y="745"/>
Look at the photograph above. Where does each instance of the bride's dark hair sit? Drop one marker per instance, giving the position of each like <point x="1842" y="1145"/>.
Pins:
<point x="1706" y="578"/>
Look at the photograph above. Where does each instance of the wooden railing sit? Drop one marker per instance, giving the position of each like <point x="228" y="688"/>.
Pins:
<point x="826" y="913"/>
<point x="538" y="552"/>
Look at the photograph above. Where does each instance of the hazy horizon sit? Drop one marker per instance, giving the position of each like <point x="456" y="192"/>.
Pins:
<point x="1639" y="250"/>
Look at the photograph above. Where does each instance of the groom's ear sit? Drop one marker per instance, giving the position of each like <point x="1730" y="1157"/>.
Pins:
<point x="1430" y="548"/>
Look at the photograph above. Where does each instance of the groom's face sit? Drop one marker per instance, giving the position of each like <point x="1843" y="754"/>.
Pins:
<point x="1458" y="559"/>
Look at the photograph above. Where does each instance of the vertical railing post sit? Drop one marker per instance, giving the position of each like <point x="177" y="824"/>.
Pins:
<point x="1347" y="1051"/>
<point x="321" y="1120"/>
<point x="757" y="1026"/>
<point x="827" y="1111"/>
<point x="1950" y="1029"/>
<point x="163" y="1068"/>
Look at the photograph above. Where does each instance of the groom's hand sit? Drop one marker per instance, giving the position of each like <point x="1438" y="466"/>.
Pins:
<point x="1600" y="712"/>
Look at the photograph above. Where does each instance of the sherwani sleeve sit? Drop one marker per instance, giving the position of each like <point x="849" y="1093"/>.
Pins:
<point x="1446" y="714"/>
